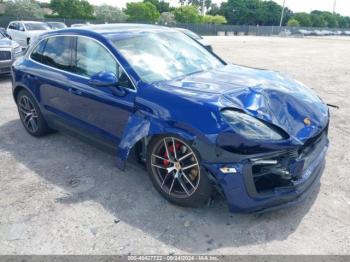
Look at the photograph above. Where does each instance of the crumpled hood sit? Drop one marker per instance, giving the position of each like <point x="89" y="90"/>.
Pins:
<point x="267" y="95"/>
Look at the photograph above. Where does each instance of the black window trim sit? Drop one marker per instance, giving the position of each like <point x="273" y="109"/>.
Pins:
<point x="73" y="51"/>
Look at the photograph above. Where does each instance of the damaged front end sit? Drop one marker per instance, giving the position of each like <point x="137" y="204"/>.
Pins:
<point x="265" y="181"/>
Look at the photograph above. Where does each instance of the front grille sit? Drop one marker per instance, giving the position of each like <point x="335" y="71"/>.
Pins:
<point x="5" y="69"/>
<point x="5" y="55"/>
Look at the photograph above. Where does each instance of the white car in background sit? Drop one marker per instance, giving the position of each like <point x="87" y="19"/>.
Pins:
<point x="25" y="32"/>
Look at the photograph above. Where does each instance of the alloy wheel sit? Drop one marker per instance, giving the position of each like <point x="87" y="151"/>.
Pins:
<point x="28" y="113"/>
<point x="176" y="167"/>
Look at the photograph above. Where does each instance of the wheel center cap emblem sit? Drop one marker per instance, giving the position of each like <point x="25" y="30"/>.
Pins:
<point x="177" y="166"/>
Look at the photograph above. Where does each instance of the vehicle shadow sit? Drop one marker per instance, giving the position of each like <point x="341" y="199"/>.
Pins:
<point x="88" y="174"/>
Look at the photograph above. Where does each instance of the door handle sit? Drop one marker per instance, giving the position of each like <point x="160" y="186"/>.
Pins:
<point x="75" y="91"/>
<point x="29" y="76"/>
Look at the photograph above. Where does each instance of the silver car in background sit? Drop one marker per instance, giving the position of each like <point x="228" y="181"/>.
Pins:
<point x="9" y="51"/>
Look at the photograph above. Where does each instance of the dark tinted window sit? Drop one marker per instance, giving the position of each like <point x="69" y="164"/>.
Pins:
<point x="37" y="54"/>
<point x="13" y="26"/>
<point x="58" y="52"/>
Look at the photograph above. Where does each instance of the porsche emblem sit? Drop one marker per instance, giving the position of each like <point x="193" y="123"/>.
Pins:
<point x="307" y="121"/>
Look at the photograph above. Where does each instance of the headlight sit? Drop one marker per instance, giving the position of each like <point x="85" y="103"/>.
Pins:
<point x="251" y="127"/>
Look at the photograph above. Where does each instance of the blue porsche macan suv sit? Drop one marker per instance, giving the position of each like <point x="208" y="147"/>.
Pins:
<point x="200" y="125"/>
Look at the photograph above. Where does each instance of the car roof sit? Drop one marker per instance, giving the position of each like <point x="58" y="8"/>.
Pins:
<point x="122" y="27"/>
<point x="23" y="21"/>
<point x="107" y="30"/>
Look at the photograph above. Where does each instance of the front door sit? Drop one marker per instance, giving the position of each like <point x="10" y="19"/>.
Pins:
<point x="98" y="109"/>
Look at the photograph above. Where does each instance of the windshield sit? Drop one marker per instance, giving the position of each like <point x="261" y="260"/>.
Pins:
<point x="191" y="34"/>
<point x="36" y="26"/>
<point x="158" y="56"/>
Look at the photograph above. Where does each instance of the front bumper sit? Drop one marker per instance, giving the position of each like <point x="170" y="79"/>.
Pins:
<point x="294" y="177"/>
<point x="5" y="66"/>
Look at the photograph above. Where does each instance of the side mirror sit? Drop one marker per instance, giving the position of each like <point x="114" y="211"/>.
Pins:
<point x="108" y="79"/>
<point x="104" y="79"/>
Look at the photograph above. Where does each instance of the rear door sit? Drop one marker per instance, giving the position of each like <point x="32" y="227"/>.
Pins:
<point x="50" y="76"/>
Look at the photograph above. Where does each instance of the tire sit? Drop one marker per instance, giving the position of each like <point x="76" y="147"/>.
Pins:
<point x="184" y="185"/>
<point x="30" y="115"/>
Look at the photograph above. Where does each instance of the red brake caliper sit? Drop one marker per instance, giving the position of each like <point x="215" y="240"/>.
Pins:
<point x="170" y="150"/>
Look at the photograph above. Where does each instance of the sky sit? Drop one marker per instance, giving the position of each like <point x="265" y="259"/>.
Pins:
<point x="342" y="6"/>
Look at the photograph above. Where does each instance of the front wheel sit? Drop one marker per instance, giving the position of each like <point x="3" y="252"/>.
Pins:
<point x="174" y="168"/>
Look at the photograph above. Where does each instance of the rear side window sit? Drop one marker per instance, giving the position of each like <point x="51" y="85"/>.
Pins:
<point x="37" y="54"/>
<point x="58" y="52"/>
<point x="92" y="57"/>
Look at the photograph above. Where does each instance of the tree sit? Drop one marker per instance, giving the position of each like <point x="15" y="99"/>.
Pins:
<point x="253" y="12"/>
<point x="303" y="19"/>
<point x="79" y="9"/>
<point x="187" y="14"/>
<point x="343" y="22"/>
<point x="213" y="19"/>
<point x="142" y="12"/>
<point x="167" y="18"/>
<point x="23" y="9"/>
<point x="213" y="9"/>
<point x="330" y="20"/>
<point x="293" y="23"/>
<point x="160" y="5"/>
<point x="317" y="20"/>
<point x="107" y="13"/>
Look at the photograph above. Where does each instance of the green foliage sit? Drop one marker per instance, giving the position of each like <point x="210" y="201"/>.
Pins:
<point x="160" y="5"/>
<point x="304" y="19"/>
<point x="330" y="20"/>
<point x="213" y="19"/>
<point x="142" y="12"/>
<point x="78" y="9"/>
<point x="23" y="9"/>
<point x="253" y="12"/>
<point x="293" y="23"/>
<point x="213" y="9"/>
<point x="187" y="14"/>
<point x="167" y="18"/>
<point x="107" y="13"/>
<point x="317" y="20"/>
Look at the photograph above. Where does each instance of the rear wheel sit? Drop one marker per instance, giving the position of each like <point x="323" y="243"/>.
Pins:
<point x="30" y="114"/>
<point x="175" y="171"/>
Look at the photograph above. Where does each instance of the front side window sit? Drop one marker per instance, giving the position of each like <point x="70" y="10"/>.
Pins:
<point x="13" y="26"/>
<point x="92" y="58"/>
<point x="57" y="52"/>
<point x="159" y="56"/>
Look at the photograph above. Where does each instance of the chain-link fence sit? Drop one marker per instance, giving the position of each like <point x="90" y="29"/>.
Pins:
<point x="212" y="29"/>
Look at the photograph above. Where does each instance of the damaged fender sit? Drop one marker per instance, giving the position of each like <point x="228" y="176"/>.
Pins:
<point x="140" y="126"/>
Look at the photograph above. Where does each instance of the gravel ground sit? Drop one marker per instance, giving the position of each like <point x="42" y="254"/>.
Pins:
<point x="61" y="196"/>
